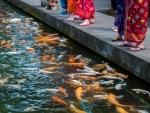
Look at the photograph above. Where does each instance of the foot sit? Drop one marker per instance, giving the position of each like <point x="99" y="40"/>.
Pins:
<point x="71" y="18"/>
<point x="64" y="11"/>
<point x="136" y="48"/>
<point x="76" y="17"/>
<point x="92" y="21"/>
<point x="125" y="44"/>
<point x="85" y="23"/>
<point x="55" y="8"/>
<point x="115" y="29"/>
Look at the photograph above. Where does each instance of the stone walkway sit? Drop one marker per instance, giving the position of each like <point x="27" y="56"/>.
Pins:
<point x="96" y="37"/>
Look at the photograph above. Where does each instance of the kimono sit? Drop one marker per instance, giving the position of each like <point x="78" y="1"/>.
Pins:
<point x="64" y="4"/>
<point x="71" y="7"/>
<point x="136" y="21"/>
<point x="120" y="16"/>
<point x="85" y="9"/>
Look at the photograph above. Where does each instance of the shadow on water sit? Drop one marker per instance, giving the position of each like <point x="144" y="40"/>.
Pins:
<point x="41" y="73"/>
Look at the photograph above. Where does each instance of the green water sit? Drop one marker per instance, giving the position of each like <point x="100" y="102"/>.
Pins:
<point x="26" y="88"/>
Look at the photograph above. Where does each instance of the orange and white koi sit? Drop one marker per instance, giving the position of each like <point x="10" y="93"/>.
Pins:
<point x="79" y="93"/>
<point x="59" y="101"/>
<point x="121" y="110"/>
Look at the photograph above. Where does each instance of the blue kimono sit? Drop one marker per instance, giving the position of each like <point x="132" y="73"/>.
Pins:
<point x="120" y="16"/>
<point x="64" y="4"/>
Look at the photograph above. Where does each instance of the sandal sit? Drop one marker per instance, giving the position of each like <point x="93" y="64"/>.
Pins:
<point x="124" y="45"/>
<point x="136" y="48"/>
<point x="116" y="39"/>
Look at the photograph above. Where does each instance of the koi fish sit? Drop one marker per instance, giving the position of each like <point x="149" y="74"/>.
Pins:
<point x="50" y="58"/>
<point x="141" y="91"/>
<point x="73" y="109"/>
<point x="47" y="35"/>
<point x="111" y="98"/>
<point x="85" y="78"/>
<point x="59" y="101"/>
<point x="46" y="39"/>
<point x="87" y="71"/>
<point x="11" y="53"/>
<point x="93" y="87"/>
<point x="3" y="81"/>
<point x="76" y="65"/>
<point x="119" y="86"/>
<point x="109" y="82"/>
<point x="121" y="110"/>
<point x="51" y="69"/>
<point x="79" y="93"/>
<point x="30" y="109"/>
<point x="117" y="74"/>
<point x="31" y="50"/>
<point x="74" y="83"/>
<point x="63" y="91"/>
<point x="100" y="96"/>
<point x="100" y="67"/>
<point x="30" y="69"/>
<point x="88" y="74"/>
<point x="15" y="20"/>
<point x="74" y="59"/>
<point x="111" y="77"/>
<point x="46" y="72"/>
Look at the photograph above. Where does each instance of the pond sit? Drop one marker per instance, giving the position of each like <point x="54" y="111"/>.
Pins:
<point x="42" y="71"/>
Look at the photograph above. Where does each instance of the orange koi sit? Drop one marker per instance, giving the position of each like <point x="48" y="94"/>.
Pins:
<point x="121" y="110"/>
<point x="31" y="50"/>
<point x="45" y="57"/>
<point x="2" y="42"/>
<point x="100" y="67"/>
<point x="76" y="65"/>
<point x="85" y="78"/>
<point x="111" y="98"/>
<point x="59" y="101"/>
<point x="93" y="87"/>
<point x="79" y="93"/>
<point x="71" y="59"/>
<point x="63" y="91"/>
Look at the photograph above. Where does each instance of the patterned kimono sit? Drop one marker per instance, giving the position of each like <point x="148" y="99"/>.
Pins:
<point x="120" y="16"/>
<point x="85" y="9"/>
<point x="71" y="6"/>
<point x="136" y="21"/>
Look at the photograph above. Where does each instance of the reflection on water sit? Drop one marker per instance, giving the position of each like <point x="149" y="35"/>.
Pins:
<point x="44" y="72"/>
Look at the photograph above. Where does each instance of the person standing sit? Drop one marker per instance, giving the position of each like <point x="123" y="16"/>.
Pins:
<point x="71" y="8"/>
<point x="120" y="19"/>
<point x="64" y="6"/>
<point x="86" y="10"/>
<point x="136" y="23"/>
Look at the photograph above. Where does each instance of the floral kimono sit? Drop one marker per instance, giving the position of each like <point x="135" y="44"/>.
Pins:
<point x="85" y="9"/>
<point x="136" y="21"/>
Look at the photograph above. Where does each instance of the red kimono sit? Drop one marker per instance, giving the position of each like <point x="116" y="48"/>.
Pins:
<point x="85" y="9"/>
<point x="136" y="20"/>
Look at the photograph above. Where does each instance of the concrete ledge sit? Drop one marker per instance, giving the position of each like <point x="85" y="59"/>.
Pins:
<point x="96" y="37"/>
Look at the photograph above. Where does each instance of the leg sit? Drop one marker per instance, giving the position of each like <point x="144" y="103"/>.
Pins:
<point x="64" y="6"/>
<point x="85" y="23"/>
